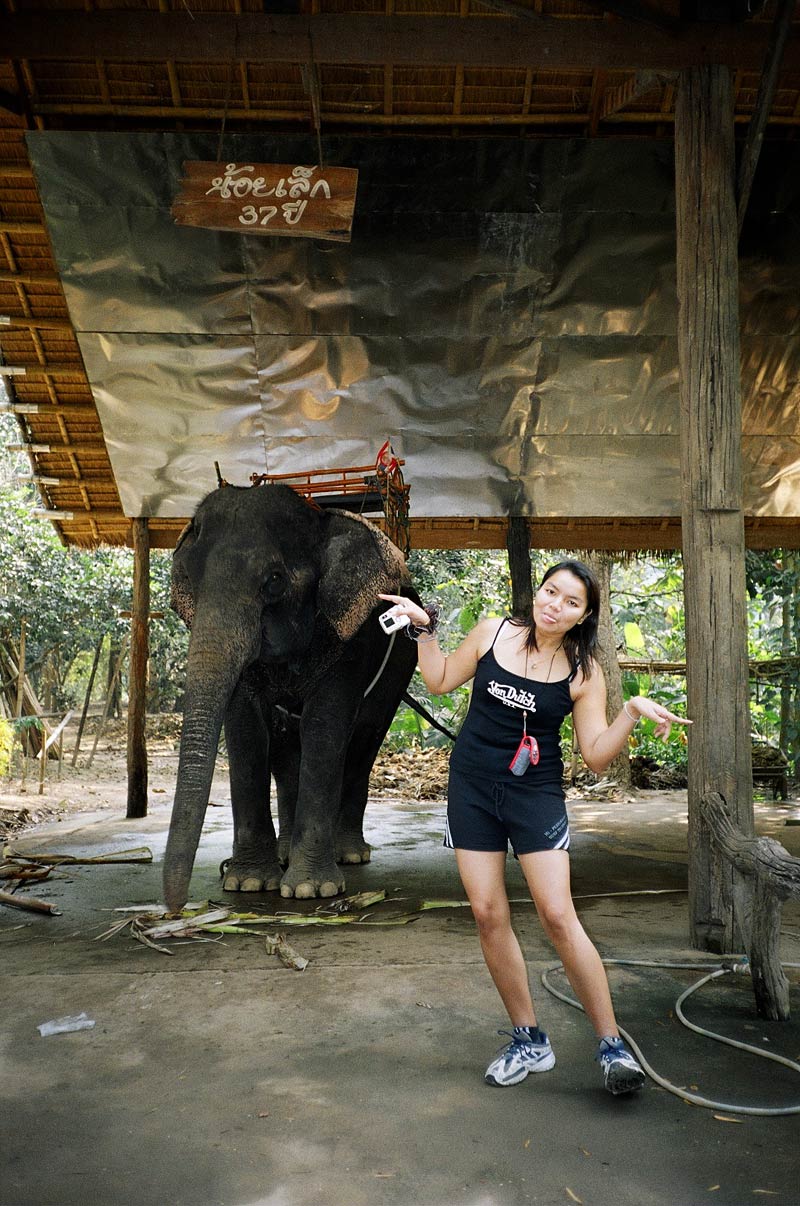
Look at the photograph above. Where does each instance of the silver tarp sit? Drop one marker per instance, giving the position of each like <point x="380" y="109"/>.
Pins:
<point x="505" y="312"/>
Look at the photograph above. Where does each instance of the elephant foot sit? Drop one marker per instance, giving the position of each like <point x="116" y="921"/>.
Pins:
<point x="250" y="877"/>
<point x="350" y="849"/>
<point x="303" y="885"/>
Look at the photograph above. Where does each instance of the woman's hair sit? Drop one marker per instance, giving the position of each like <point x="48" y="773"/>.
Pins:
<point x="580" y="643"/>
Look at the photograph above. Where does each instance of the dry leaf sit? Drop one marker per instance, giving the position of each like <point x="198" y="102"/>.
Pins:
<point x="774" y="1192"/>
<point x="726" y="1118"/>
<point x="264" y="1114"/>
<point x="711" y="1188"/>
<point x="583" y="1149"/>
<point x="527" y="1143"/>
<point x="574" y="1196"/>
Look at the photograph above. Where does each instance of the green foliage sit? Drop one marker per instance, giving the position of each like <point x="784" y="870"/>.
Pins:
<point x="468" y="584"/>
<point x="70" y="598"/>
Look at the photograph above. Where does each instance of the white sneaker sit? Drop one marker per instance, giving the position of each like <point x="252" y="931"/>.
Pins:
<point x="622" y="1072"/>
<point x="525" y="1053"/>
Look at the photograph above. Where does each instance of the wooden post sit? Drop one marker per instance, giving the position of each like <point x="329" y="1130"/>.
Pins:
<point x="518" y="544"/>
<point x="137" y="685"/>
<point x="713" y="521"/>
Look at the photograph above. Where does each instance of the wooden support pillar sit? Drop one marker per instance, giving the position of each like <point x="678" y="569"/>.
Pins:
<point x="137" y="686"/>
<point x="518" y="545"/>
<point x="713" y="521"/>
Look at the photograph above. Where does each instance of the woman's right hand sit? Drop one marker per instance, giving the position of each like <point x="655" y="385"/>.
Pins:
<point x="407" y="607"/>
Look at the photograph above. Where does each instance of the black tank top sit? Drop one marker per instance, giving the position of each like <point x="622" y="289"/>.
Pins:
<point x="493" y="727"/>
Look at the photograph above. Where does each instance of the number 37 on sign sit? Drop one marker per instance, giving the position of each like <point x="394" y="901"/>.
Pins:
<point x="268" y="198"/>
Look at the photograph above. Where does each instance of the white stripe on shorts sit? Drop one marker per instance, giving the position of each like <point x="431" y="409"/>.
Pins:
<point x="563" y="842"/>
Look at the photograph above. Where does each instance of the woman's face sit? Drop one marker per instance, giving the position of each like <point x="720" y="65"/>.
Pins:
<point x="559" y="603"/>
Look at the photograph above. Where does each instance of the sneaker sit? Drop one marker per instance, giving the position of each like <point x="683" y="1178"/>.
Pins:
<point x="622" y="1072"/>
<point x="528" y="1051"/>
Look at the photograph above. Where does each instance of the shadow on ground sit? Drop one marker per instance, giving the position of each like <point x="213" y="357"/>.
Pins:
<point x="218" y="1077"/>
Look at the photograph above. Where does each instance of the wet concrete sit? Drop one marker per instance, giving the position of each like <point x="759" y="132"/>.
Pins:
<point x="218" y="1077"/>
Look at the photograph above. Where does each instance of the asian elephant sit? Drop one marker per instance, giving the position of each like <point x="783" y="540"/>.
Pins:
<point x="286" y="651"/>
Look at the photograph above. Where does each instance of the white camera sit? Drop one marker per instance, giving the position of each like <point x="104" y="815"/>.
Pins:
<point x="390" y="621"/>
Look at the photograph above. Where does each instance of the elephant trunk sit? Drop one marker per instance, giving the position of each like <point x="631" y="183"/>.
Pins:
<point x="217" y="654"/>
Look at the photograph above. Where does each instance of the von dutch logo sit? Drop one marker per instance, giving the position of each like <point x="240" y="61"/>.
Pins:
<point x="511" y="697"/>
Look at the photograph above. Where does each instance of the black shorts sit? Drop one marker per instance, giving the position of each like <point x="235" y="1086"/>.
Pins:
<point x="485" y="814"/>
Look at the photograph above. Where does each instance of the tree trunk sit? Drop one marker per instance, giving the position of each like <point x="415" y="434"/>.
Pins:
<point x="712" y="515"/>
<point x="602" y="563"/>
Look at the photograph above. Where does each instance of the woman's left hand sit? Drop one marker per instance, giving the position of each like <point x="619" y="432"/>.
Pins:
<point x="650" y="710"/>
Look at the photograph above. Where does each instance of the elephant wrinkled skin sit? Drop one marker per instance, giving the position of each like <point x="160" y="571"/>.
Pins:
<point x="287" y="653"/>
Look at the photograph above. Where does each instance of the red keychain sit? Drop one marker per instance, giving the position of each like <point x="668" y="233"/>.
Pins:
<point x="527" y="752"/>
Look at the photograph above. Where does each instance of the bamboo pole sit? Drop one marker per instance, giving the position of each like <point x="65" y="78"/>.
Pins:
<point x="87" y="700"/>
<point x="109" y="694"/>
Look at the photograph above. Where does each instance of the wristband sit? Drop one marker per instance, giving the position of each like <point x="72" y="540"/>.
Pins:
<point x="635" y="719"/>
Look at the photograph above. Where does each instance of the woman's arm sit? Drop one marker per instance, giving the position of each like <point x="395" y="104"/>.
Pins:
<point x="444" y="673"/>
<point x="599" y="741"/>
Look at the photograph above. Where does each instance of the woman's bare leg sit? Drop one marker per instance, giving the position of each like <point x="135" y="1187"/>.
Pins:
<point x="547" y="875"/>
<point x="483" y="876"/>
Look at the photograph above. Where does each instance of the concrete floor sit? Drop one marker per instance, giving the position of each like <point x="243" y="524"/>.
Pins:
<point x="218" y="1077"/>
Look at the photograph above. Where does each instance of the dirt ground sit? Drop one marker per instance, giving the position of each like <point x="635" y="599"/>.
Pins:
<point x="217" y="1076"/>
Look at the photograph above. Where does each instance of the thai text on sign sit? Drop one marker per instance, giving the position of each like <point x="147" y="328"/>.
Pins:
<point x="268" y="199"/>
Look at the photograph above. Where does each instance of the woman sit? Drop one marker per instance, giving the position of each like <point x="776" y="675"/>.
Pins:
<point x="506" y="784"/>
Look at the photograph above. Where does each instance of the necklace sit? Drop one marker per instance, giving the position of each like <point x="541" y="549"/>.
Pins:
<point x="541" y="661"/>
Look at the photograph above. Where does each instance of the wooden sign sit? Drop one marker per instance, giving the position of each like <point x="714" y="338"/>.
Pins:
<point x="268" y="199"/>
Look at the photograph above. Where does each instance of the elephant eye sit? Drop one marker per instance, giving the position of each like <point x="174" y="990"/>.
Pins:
<point x="275" y="584"/>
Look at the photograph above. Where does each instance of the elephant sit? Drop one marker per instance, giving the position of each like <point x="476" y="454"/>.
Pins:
<point x="286" y="651"/>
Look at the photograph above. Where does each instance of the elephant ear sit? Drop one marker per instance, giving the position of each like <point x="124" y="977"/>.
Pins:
<point x="358" y="564"/>
<point x="181" y="598"/>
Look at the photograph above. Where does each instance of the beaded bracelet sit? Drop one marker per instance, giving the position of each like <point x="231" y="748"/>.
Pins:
<point x="432" y="611"/>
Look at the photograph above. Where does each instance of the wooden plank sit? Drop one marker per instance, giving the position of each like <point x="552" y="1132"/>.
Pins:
<point x="713" y="520"/>
<point x="268" y="199"/>
<point x="361" y="39"/>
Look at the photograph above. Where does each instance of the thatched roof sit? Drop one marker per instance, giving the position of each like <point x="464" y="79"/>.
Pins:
<point x="542" y="68"/>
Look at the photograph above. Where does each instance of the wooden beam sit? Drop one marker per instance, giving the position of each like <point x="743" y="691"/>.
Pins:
<point x="713" y="520"/>
<point x="361" y="39"/>
<point x="137" y="687"/>
<point x="623" y="94"/>
<point x="766" y="93"/>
